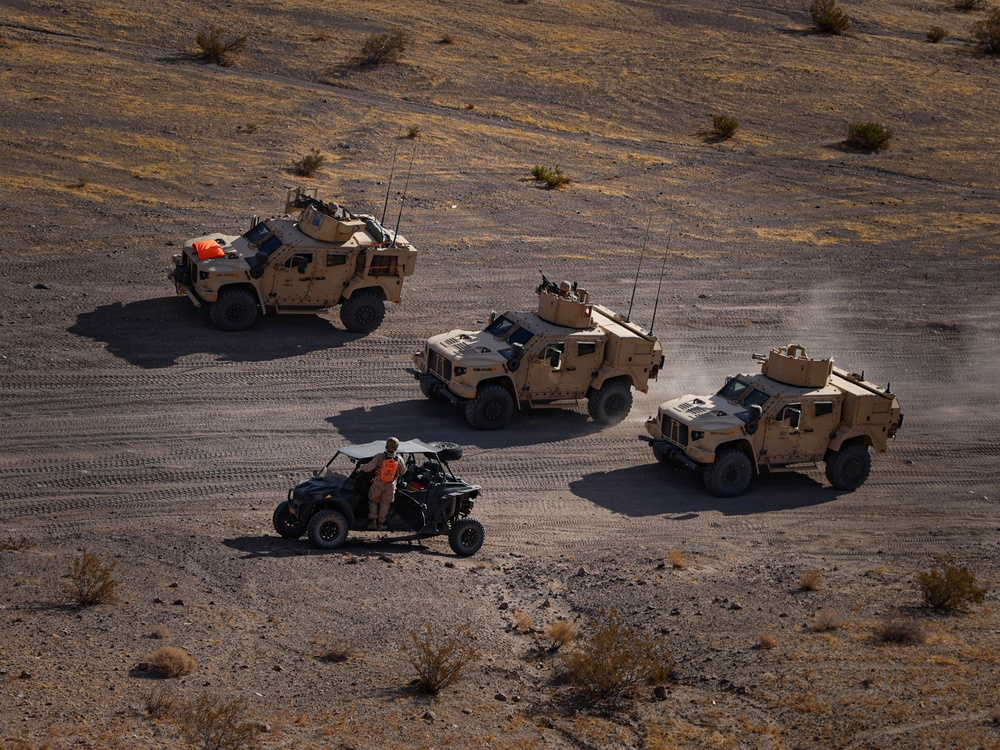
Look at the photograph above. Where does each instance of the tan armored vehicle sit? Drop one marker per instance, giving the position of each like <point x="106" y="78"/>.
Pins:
<point x="316" y="256"/>
<point x="569" y="349"/>
<point x="796" y="412"/>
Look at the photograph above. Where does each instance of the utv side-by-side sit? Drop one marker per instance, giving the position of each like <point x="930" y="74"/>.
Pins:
<point x="430" y="499"/>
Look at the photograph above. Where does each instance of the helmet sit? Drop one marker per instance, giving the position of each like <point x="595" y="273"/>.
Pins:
<point x="391" y="444"/>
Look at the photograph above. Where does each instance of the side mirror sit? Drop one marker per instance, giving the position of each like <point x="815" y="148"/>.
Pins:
<point x="493" y="317"/>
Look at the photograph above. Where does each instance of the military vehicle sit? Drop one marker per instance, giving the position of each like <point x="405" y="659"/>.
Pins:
<point x="316" y="256"/>
<point x="796" y="412"/>
<point x="430" y="499"/>
<point x="569" y="349"/>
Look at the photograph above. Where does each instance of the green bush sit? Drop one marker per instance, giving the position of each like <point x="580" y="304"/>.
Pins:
<point x="92" y="581"/>
<point x="949" y="587"/>
<point x="724" y="127"/>
<point x="310" y="164"/>
<point x="986" y="32"/>
<point x="828" y="17"/>
<point x="440" y="662"/>
<point x="609" y="664"/>
<point x="553" y="178"/>
<point x="869" y="136"/>
<point x="379" y="49"/>
<point x="215" y="49"/>
<point x="936" y="33"/>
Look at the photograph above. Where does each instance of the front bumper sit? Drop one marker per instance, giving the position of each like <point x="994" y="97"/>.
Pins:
<point x="668" y="449"/>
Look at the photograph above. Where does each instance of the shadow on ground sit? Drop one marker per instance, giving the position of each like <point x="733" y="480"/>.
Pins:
<point x="360" y="546"/>
<point x="659" y="490"/>
<point x="156" y="333"/>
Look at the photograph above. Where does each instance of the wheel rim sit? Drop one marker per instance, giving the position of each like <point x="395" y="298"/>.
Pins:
<point x="329" y="531"/>
<point x="493" y="410"/>
<point x="853" y="469"/>
<point x="732" y="477"/>
<point x="614" y="404"/>
<point x="236" y="314"/>
<point x="365" y="315"/>
<point x="468" y="537"/>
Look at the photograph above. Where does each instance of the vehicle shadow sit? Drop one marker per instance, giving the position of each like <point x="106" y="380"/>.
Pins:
<point x="156" y="333"/>
<point x="442" y="421"/>
<point x="662" y="490"/>
<point x="359" y="546"/>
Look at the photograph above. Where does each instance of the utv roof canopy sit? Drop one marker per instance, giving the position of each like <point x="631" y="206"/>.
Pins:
<point x="372" y="449"/>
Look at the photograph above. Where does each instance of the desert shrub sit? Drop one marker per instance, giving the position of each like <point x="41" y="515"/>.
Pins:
<point x="614" y="659"/>
<point x="210" y="722"/>
<point x="767" y="641"/>
<point x="14" y="545"/>
<point x="92" y="581"/>
<point x="523" y="622"/>
<point x="217" y="50"/>
<point x="986" y="32"/>
<point x="677" y="560"/>
<point x="379" y="49"/>
<point x="561" y="633"/>
<point x="322" y="36"/>
<point x="170" y="661"/>
<point x="811" y="580"/>
<point x="949" y="587"/>
<point x="440" y="662"/>
<point x="724" y="127"/>
<point x="825" y="620"/>
<point x="936" y="33"/>
<point x="553" y="178"/>
<point x="251" y="127"/>
<point x="160" y="704"/>
<point x="413" y="132"/>
<point x="310" y="164"/>
<point x="336" y="653"/>
<point x="970" y="4"/>
<point x="869" y="136"/>
<point x="446" y="39"/>
<point x="828" y="17"/>
<point x="901" y="630"/>
<point x="160" y="632"/>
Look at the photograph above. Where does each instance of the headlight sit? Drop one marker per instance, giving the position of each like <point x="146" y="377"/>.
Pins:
<point x="697" y="435"/>
<point x="460" y="371"/>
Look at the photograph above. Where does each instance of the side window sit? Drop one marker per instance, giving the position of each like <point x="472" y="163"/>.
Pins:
<point x="300" y="261"/>
<point x="792" y="413"/>
<point x="335" y="259"/>
<point x="823" y="408"/>
<point x="586" y="348"/>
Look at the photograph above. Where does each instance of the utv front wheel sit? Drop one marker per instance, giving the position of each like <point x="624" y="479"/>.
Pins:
<point x="363" y="312"/>
<point x="466" y="537"/>
<point x="328" y="529"/>
<point x="235" y="310"/>
<point x="285" y="523"/>
<point x="730" y="475"/>
<point x="848" y="468"/>
<point x="611" y="404"/>
<point x="491" y="409"/>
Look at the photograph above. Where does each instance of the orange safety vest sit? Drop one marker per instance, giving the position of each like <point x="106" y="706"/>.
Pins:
<point x="389" y="470"/>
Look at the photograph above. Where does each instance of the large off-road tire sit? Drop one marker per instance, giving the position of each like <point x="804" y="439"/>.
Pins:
<point x="466" y="537"/>
<point x="660" y="454"/>
<point x="328" y="529"/>
<point x="235" y="310"/>
<point x="730" y="475"/>
<point x="611" y="404"/>
<point x="491" y="409"/>
<point x="848" y="468"/>
<point x="448" y="451"/>
<point x="363" y="312"/>
<point x="285" y="524"/>
<point x="427" y="388"/>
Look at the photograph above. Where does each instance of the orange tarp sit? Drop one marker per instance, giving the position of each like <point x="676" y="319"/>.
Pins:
<point x="208" y="249"/>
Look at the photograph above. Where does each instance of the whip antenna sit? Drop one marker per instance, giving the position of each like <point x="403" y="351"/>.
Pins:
<point x="392" y="169"/>
<point x="660" y="285"/>
<point x="638" y="267"/>
<point x="406" y="186"/>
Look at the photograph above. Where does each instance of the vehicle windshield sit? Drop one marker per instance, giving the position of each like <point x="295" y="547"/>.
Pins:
<point x="509" y="330"/>
<point x="257" y="233"/>
<point x="500" y="327"/>
<point x="755" y="398"/>
<point x="733" y="390"/>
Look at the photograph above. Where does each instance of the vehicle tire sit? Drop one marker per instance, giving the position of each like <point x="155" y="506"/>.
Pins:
<point x="427" y="388"/>
<point x="285" y="524"/>
<point x="491" y="409"/>
<point x="730" y="475"/>
<point x="848" y="468"/>
<point x="363" y="312"/>
<point x="661" y="455"/>
<point x="235" y="310"/>
<point x="466" y="537"/>
<point x="611" y="404"/>
<point x="448" y="451"/>
<point x="328" y="529"/>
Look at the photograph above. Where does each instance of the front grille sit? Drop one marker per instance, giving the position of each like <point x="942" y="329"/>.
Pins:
<point x="439" y="365"/>
<point x="675" y="432"/>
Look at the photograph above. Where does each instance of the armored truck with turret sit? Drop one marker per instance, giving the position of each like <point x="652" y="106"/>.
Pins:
<point x="796" y="412"/>
<point x="569" y="349"/>
<point x="316" y="256"/>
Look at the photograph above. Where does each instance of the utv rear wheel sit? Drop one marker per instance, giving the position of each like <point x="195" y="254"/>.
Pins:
<point x="466" y="537"/>
<point x="611" y="404"/>
<point x="328" y="529"/>
<point x="730" y="475"/>
<point x="235" y="310"/>
<point x="363" y="312"/>
<point x="285" y="523"/>
<point x="491" y="409"/>
<point x="848" y="468"/>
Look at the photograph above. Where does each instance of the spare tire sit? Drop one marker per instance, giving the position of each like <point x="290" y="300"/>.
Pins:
<point x="448" y="451"/>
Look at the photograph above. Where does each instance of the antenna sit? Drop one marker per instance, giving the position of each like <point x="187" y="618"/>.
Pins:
<point x="660" y="285"/>
<point x="406" y="186"/>
<point x="638" y="267"/>
<point x="392" y="169"/>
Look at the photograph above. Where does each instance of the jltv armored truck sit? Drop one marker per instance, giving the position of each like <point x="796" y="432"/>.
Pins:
<point x="569" y="349"/>
<point x="795" y="412"/>
<point x="318" y="255"/>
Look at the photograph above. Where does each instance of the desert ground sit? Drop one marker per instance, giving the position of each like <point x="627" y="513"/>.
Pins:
<point x="134" y="430"/>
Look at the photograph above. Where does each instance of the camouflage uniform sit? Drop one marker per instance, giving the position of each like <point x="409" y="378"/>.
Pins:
<point x="381" y="494"/>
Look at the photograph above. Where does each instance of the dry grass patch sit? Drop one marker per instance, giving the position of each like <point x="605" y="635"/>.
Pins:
<point x="209" y="722"/>
<point x="381" y="49"/>
<point x="949" y="587"/>
<point x="827" y="17"/>
<point x="825" y="621"/>
<point x="811" y="580"/>
<point x="15" y="545"/>
<point x="724" y="127"/>
<point x="440" y="662"/>
<point x="903" y="631"/>
<point x="936" y="34"/>
<point x="869" y="136"/>
<point x="561" y="633"/>
<point x="337" y="652"/>
<point x="170" y="661"/>
<point x="217" y="50"/>
<point x="160" y="704"/>
<point x="310" y="164"/>
<point x="677" y="560"/>
<point x="523" y="622"/>
<point x="767" y="641"/>
<point x="92" y="581"/>
<point x="161" y="632"/>
<point x="986" y="32"/>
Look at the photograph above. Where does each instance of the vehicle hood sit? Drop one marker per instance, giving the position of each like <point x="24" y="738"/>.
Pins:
<point x="470" y="348"/>
<point x="316" y="486"/>
<point x="704" y="412"/>
<point x="232" y="245"/>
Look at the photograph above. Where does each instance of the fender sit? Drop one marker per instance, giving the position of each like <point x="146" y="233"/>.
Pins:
<point x="607" y="373"/>
<point x="845" y="435"/>
<point x="507" y="382"/>
<point x="746" y="448"/>
<point x="359" y="283"/>
<point x="249" y="287"/>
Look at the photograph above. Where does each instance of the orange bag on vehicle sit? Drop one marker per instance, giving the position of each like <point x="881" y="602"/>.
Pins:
<point x="207" y="249"/>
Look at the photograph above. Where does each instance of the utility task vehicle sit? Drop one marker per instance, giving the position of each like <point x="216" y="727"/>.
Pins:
<point x="430" y="499"/>
<point x="796" y="412"/>
<point x="569" y="349"/>
<point x="316" y="256"/>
